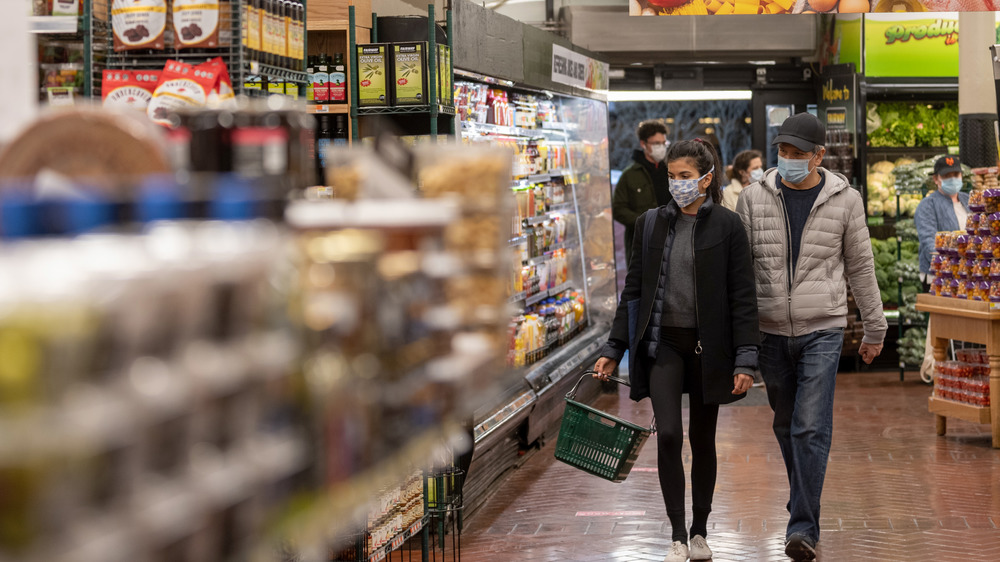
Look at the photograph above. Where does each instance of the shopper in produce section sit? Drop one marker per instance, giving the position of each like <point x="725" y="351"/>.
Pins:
<point x="809" y="238"/>
<point x="748" y="167"/>
<point x="946" y="208"/>
<point x="690" y="287"/>
<point x="643" y="185"/>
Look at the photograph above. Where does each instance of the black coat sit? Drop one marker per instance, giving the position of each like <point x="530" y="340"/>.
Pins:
<point x="726" y="297"/>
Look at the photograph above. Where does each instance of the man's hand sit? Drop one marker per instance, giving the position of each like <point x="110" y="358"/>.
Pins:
<point x="605" y="368"/>
<point x="869" y="351"/>
<point x="742" y="383"/>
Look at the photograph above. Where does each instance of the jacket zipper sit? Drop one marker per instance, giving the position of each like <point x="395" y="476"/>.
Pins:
<point x="694" y="269"/>
<point x="788" y="259"/>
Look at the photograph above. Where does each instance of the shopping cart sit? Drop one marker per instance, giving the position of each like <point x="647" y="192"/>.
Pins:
<point x="596" y="442"/>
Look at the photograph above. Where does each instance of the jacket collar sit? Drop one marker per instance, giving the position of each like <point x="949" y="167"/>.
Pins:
<point x="835" y="183"/>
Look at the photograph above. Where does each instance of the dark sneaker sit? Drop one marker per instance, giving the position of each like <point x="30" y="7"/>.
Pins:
<point x="800" y="547"/>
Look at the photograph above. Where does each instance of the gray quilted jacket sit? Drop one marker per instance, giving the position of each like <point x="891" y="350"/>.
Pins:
<point x="835" y="250"/>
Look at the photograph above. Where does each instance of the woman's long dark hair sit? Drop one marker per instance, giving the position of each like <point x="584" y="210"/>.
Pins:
<point x="742" y="163"/>
<point x="705" y="157"/>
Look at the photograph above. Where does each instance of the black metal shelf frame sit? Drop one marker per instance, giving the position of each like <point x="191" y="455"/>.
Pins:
<point x="435" y="109"/>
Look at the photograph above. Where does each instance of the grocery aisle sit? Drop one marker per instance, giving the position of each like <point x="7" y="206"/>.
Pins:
<point x="895" y="491"/>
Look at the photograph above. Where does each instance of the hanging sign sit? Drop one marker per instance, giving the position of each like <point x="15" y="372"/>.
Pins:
<point x="837" y="108"/>
<point x="905" y="45"/>
<point x="573" y="69"/>
<point x="751" y="7"/>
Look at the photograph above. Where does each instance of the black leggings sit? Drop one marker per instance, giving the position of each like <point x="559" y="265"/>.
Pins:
<point x="677" y="369"/>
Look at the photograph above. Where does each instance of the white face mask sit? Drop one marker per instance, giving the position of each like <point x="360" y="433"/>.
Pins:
<point x="757" y="174"/>
<point x="658" y="152"/>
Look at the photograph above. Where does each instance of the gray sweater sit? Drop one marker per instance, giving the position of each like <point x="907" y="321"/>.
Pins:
<point x="678" y="310"/>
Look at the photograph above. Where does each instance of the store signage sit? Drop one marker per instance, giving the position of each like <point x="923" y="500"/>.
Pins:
<point x="904" y="45"/>
<point x="837" y="107"/>
<point x="766" y="7"/>
<point x="573" y="69"/>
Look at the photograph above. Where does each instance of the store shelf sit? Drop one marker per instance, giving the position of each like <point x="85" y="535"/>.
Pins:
<point x="542" y="295"/>
<point x="255" y="68"/>
<point x="328" y="108"/>
<point x="503" y="416"/>
<point x="550" y="129"/>
<point x="403" y="110"/>
<point x="517" y="297"/>
<point x="398" y="540"/>
<point x="951" y="409"/>
<point x="518" y="240"/>
<point x="54" y="24"/>
<point x="556" y="210"/>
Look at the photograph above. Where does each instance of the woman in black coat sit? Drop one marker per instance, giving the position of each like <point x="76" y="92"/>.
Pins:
<point x="688" y="317"/>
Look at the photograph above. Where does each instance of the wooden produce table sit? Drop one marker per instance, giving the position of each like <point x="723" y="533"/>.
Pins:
<point x="968" y="321"/>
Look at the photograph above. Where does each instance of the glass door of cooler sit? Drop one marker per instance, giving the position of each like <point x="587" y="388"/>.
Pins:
<point x="561" y="278"/>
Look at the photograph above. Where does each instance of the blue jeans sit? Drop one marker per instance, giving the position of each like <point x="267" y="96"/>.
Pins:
<point x="800" y="374"/>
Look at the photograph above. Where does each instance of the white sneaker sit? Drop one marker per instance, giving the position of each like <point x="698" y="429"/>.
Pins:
<point x="678" y="552"/>
<point x="699" y="548"/>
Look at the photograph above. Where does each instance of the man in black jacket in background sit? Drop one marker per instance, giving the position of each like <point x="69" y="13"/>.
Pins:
<point x="644" y="184"/>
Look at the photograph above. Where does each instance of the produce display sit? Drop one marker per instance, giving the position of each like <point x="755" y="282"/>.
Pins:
<point x="882" y="182"/>
<point x="912" y="124"/>
<point x="891" y="265"/>
<point x="964" y="380"/>
<point x="911" y="346"/>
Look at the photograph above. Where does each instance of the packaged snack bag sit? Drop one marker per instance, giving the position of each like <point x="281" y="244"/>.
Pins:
<point x="138" y="24"/>
<point x="181" y="85"/>
<point x="196" y="23"/>
<point x="128" y="88"/>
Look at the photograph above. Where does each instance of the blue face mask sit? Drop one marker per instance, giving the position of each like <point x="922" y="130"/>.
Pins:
<point x="686" y="192"/>
<point x="795" y="171"/>
<point x="757" y="174"/>
<point x="951" y="186"/>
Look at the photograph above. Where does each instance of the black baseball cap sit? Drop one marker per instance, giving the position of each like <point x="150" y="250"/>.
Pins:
<point x="803" y="130"/>
<point x="946" y="165"/>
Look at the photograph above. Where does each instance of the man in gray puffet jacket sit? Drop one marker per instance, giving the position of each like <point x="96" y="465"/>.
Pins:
<point x="808" y="238"/>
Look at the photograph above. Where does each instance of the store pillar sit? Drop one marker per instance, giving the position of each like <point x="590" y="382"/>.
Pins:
<point x="977" y="102"/>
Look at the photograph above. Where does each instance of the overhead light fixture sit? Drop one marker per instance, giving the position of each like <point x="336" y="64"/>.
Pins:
<point x="616" y="74"/>
<point x="678" y="95"/>
<point x="763" y="62"/>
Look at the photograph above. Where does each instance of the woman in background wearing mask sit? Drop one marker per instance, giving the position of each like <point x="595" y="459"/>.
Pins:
<point x="748" y="167"/>
<point x="690" y="306"/>
<point x="944" y="209"/>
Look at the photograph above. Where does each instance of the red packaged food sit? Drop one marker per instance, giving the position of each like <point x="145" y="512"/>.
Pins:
<point x="138" y="24"/>
<point x="222" y="94"/>
<point x="975" y="243"/>
<point x="181" y="86"/>
<point x="937" y="286"/>
<point x="962" y="243"/>
<point x="954" y="264"/>
<point x="962" y="290"/>
<point x="131" y="89"/>
<point x="941" y="242"/>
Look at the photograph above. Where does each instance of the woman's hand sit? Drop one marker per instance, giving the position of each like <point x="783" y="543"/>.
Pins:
<point x="605" y="368"/>
<point x="742" y="383"/>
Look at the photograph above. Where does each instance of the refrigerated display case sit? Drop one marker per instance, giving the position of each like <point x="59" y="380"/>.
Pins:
<point x="561" y="278"/>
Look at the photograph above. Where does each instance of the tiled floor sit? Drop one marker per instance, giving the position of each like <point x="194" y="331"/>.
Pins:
<point x="894" y="490"/>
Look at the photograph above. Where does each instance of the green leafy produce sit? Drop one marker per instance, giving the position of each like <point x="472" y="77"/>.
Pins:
<point x="906" y="229"/>
<point x="911" y="346"/>
<point x="912" y="124"/>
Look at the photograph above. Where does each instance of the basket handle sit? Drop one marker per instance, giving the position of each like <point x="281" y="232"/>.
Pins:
<point x="589" y="373"/>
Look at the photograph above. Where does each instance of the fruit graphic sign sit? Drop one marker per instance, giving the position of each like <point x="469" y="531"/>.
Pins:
<point x="751" y="7"/>
<point x="573" y="69"/>
<point x="909" y="45"/>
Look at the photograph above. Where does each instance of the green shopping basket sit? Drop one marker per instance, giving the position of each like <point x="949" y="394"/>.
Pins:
<point x="596" y="442"/>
